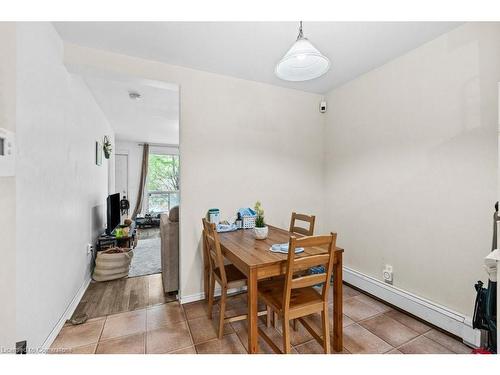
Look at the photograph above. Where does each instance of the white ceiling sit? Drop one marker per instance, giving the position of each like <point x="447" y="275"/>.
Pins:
<point x="250" y="50"/>
<point x="152" y="119"/>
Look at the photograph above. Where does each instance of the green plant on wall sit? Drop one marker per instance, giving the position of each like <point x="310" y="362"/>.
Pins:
<point x="259" y="220"/>
<point x="107" y="147"/>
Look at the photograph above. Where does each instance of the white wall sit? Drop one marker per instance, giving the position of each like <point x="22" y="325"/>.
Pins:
<point x="134" y="152"/>
<point x="7" y="188"/>
<point x="411" y="165"/>
<point x="60" y="189"/>
<point x="240" y="141"/>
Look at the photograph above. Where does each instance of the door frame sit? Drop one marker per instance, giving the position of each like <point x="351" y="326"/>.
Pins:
<point x="123" y="153"/>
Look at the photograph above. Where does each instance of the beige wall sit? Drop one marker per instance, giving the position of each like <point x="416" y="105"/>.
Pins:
<point x="411" y="165"/>
<point x="240" y="141"/>
<point x="7" y="189"/>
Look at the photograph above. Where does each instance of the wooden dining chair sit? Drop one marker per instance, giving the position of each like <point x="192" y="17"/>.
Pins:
<point x="310" y="219"/>
<point x="227" y="275"/>
<point x="294" y="296"/>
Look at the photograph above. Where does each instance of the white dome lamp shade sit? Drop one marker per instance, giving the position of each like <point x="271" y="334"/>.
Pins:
<point x="302" y="62"/>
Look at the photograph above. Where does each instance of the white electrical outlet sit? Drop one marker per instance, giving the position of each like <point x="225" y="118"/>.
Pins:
<point x="89" y="248"/>
<point x="387" y="274"/>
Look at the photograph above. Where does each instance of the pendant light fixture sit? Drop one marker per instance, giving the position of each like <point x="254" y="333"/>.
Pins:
<point x="302" y="62"/>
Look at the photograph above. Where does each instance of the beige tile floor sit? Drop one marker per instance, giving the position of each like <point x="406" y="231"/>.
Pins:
<point x="369" y="327"/>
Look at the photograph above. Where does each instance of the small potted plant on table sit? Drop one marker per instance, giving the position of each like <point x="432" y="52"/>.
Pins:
<point x="261" y="229"/>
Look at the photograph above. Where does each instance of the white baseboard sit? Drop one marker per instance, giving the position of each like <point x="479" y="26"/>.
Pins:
<point x="66" y="315"/>
<point x="438" y="315"/>
<point x="200" y="296"/>
<point x="192" y="298"/>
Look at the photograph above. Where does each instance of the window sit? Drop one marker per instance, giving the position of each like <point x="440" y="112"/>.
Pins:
<point x="163" y="183"/>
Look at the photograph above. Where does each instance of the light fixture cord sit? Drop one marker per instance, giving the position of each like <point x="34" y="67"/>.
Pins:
<point x="301" y="34"/>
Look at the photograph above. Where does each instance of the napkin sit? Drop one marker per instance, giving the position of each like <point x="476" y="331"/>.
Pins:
<point x="283" y="248"/>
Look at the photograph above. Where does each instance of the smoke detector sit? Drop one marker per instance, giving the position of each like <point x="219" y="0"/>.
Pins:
<point x="134" y="95"/>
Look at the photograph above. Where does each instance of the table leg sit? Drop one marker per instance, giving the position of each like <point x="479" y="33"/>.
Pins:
<point x="252" y="312"/>
<point x="337" y="303"/>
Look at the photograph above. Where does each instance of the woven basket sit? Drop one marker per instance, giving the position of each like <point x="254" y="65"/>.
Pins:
<point x="248" y="222"/>
<point x="112" y="264"/>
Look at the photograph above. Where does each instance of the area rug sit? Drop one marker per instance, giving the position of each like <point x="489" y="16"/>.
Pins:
<point x="147" y="258"/>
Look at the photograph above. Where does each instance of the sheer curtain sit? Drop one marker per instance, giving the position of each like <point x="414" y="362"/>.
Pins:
<point x="142" y="182"/>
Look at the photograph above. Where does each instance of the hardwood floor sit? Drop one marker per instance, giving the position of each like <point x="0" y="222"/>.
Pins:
<point x="111" y="297"/>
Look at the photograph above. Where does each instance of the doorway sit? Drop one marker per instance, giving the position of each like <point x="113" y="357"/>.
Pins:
<point x="140" y="112"/>
<point x="121" y="174"/>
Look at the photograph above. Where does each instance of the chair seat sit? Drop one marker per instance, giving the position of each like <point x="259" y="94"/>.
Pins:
<point x="271" y="291"/>
<point x="232" y="274"/>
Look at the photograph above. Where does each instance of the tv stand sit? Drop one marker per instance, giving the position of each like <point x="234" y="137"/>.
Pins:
<point x="105" y="241"/>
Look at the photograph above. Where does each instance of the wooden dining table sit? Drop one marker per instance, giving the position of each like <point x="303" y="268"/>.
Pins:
<point x="254" y="259"/>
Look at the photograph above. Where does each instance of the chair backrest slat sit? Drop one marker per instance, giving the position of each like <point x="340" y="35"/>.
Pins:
<point x="310" y="219"/>
<point x="310" y="261"/>
<point x="299" y="230"/>
<point x="325" y="245"/>
<point x="314" y="241"/>
<point x="308" y="280"/>
<point x="214" y="252"/>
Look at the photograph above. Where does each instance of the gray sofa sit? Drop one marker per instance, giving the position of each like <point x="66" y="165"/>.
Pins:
<point x="169" y="232"/>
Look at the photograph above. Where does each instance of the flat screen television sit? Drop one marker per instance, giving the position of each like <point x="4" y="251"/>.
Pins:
<point x="113" y="214"/>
